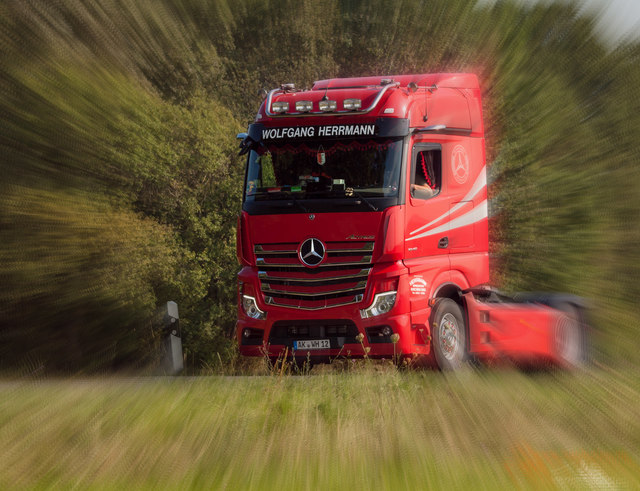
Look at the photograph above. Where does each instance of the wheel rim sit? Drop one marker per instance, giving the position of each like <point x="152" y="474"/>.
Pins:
<point x="449" y="336"/>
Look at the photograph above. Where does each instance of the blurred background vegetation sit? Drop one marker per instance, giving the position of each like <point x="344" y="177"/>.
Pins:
<point x="120" y="181"/>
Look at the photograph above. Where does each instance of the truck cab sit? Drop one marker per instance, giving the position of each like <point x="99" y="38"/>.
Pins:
<point x="364" y="207"/>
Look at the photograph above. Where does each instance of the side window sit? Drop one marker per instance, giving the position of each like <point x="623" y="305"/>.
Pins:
<point x="426" y="177"/>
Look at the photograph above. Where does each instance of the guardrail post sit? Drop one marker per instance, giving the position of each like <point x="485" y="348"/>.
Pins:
<point x="172" y="362"/>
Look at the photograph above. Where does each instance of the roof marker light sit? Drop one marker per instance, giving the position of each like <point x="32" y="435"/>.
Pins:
<point x="352" y="104"/>
<point x="327" y="106"/>
<point x="280" y="107"/>
<point x="304" y="106"/>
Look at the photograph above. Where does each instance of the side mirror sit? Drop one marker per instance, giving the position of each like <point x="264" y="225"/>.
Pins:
<point x="246" y="143"/>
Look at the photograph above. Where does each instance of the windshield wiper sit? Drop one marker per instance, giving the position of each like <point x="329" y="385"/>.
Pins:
<point x="289" y="200"/>
<point x="298" y="204"/>
<point x="356" y="194"/>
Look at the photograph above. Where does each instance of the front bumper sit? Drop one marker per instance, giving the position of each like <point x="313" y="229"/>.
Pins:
<point x="343" y="333"/>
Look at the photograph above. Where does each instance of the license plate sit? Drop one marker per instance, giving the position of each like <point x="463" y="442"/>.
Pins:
<point x="311" y="344"/>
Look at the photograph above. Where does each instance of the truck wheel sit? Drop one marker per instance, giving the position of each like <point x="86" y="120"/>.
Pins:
<point x="448" y="335"/>
<point x="570" y="337"/>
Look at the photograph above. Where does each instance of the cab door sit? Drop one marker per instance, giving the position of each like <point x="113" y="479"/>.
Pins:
<point x="427" y="211"/>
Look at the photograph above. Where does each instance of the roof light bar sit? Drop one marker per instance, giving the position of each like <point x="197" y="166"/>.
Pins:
<point x="326" y="107"/>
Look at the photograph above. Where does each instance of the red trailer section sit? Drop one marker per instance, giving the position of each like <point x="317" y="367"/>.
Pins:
<point x="364" y="222"/>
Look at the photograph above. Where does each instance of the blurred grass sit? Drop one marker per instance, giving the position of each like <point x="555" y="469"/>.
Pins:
<point x="359" y="430"/>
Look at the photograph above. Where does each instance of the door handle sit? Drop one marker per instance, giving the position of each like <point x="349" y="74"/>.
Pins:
<point x="443" y="243"/>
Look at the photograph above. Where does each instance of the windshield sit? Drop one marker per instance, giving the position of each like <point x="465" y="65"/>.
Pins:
<point x="324" y="169"/>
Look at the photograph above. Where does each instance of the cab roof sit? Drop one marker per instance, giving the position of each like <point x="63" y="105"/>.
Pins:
<point x="442" y="80"/>
<point x="448" y="101"/>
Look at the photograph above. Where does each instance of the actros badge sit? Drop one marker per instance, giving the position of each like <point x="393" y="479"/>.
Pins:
<point x="311" y="252"/>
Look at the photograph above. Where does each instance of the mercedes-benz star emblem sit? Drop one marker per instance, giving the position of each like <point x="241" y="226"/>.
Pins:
<point x="311" y="252"/>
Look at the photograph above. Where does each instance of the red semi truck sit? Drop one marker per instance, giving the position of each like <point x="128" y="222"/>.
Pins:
<point x="364" y="230"/>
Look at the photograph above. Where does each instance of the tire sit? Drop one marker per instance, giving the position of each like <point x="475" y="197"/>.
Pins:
<point x="449" y="335"/>
<point x="570" y="343"/>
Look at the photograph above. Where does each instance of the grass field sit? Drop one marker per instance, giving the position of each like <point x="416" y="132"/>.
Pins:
<point x="364" y="429"/>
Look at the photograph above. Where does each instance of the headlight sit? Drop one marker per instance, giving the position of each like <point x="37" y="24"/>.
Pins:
<point x="382" y="303"/>
<point x="250" y="308"/>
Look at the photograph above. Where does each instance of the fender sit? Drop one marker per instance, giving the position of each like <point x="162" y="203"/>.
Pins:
<point x="454" y="279"/>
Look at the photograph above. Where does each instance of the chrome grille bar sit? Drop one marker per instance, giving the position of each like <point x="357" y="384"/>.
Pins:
<point x="266" y="288"/>
<point x="259" y="250"/>
<point x="265" y="276"/>
<point x="271" y="301"/>
<point x="261" y="262"/>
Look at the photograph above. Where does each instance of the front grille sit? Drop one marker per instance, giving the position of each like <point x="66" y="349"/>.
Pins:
<point x="341" y="279"/>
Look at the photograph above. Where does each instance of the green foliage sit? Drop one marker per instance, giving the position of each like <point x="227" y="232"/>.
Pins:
<point x="121" y="185"/>
<point x="114" y="201"/>
<point x="80" y="280"/>
<point x="182" y="170"/>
